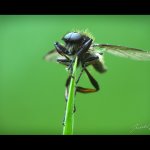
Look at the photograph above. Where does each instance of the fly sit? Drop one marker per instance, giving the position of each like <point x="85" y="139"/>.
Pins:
<point x="82" y="45"/>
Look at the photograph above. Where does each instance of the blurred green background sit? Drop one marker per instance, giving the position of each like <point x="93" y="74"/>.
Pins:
<point x="32" y="90"/>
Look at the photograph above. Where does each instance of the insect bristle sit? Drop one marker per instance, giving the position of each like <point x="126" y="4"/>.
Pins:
<point x="85" y="32"/>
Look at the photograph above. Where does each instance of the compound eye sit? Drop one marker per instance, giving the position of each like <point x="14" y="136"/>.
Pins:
<point x="73" y="37"/>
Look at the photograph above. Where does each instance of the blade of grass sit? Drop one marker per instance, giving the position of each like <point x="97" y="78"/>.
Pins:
<point x="69" y="115"/>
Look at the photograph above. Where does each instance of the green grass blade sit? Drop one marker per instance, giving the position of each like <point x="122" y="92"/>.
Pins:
<point x="69" y="115"/>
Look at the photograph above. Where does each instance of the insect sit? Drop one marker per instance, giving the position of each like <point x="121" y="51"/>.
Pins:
<point x="82" y="45"/>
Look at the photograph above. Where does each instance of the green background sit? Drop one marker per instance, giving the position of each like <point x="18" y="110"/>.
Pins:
<point x="32" y="90"/>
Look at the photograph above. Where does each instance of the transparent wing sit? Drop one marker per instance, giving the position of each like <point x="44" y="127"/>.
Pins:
<point x="51" y="55"/>
<point x="123" y="51"/>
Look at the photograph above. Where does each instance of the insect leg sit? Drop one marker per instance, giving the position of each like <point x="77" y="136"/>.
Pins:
<point x="81" y="51"/>
<point x="67" y="87"/>
<point x="79" y="76"/>
<point x="89" y="60"/>
<point x="67" y="90"/>
<point x="93" y="82"/>
<point x="63" y="61"/>
<point x="62" y="50"/>
<point x="97" y="62"/>
<point x="84" y="48"/>
<point x="66" y="95"/>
